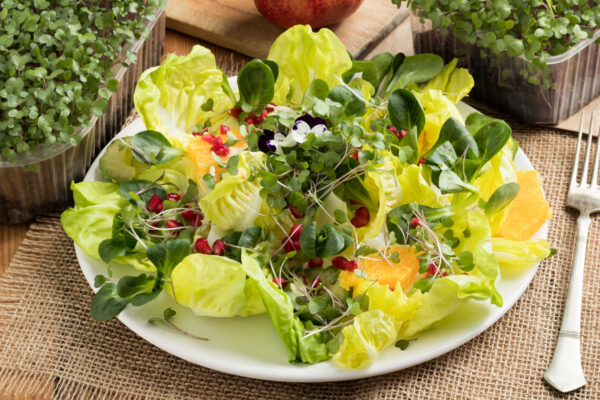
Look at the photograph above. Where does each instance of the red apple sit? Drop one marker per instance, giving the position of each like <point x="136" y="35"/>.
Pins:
<point x="316" y="13"/>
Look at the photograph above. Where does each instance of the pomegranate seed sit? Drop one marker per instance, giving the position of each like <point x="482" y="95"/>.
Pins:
<point x="392" y="129"/>
<point x="421" y="161"/>
<point x="354" y="155"/>
<point x="402" y="133"/>
<point x="295" y="231"/>
<point x="235" y="112"/>
<point x="173" y="224"/>
<point x="415" y="222"/>
<point x="361" y="217"/>
<point x="432" y="269"/>
<point x="342" y="263"/>
<point x="155" y="204"/>
<point x="316" y="282"/>
<point x="315" y="262"/>
<point x="219" y="247"/>
<point x="223" y="129"/>
<point x="279" y="282"/>
<point x="207" y="137"/>
<point x="262" y="116"/>
<point x="174" y="197"/>
<point x="250" y="119"/>
<point x="444" y="273"/>
<point x="220" y="149"/>
<point x="356" y="203"/>
<point x="295" y="212"/>
<point x="202" y="246"/>
<point x="192" y="217"/>
<point x="270" y="108"/>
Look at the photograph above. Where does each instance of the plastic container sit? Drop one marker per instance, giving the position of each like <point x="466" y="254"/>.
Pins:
<point x="575" y="75"/>
<point x="38" y="182"/>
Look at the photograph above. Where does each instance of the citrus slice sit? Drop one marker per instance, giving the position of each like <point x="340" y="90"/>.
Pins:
<point x="199" y="152"/>
<point x="528" y="211"/>
<point x="384" y="270"/>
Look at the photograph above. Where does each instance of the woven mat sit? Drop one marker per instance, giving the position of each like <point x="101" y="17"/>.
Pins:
<point x="50" y="344"/>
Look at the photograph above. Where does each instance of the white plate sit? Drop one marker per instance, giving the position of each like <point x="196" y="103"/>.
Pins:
<point x="250" y="347"/>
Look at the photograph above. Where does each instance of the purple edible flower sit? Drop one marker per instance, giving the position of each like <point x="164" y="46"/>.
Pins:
<point x="266" y="143"/>
<point x="311" y="121"/>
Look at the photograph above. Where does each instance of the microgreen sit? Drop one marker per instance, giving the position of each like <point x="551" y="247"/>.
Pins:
<point x="57" y="66"/>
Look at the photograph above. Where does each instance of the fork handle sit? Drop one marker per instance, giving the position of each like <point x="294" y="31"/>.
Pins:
<point x="565" y="372"/>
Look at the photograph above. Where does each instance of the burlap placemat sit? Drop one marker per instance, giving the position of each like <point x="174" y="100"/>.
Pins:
<point x="49" y="343"/>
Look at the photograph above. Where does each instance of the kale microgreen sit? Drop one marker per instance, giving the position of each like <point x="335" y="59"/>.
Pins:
<point x="56" y="67"/>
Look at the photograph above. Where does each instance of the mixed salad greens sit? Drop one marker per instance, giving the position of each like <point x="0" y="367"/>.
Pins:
<point x="347" y="199"/>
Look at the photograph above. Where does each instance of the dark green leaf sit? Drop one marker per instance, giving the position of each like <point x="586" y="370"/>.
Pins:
<point x="129" y="286"/>
<point x="106" y="303"/>
<point x="501" y="198"/>
<point x="350" y="100"/>
<point x="308" y="238"/>
<point x="165" y="256"/>
<point x="256" y="83"/>
<point x="155" y="148"/>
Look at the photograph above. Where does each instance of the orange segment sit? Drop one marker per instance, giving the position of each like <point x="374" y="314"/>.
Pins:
<point x="528" y="211"/>
<point x="199" y="153"/>
<point x="385" y="271"/>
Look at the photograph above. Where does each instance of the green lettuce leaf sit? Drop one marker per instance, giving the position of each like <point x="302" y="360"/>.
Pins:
<point x="214" y="286"/>
<point x="302" y="56"/>
<point x="369" y="333"/>
<point x="454" y="82"/>
<point x="438" y="108"/>
<point x="169" y="97"/>
<point x="516" y="256"/>
<point x="444" y="298"/>
<point x="417" y="187"/>
<point x="90" y="222"/>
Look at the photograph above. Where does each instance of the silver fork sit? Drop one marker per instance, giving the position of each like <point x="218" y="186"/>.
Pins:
<point x="565" y="372"/>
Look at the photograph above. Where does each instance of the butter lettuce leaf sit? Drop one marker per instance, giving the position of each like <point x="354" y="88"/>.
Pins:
<point x="454" y="83"/>
<point x="169" y="97"/>
<point x="302" y="56"/>
<point x="214" y="286"/>
<point x="516" y="256"/>
<point x="438" y="108"/>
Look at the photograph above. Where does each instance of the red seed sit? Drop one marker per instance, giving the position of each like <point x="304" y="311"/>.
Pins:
<point x="356" y="203"/>
<point x="402" y="133"/>
<point x="316" y="282"/>
<point x="192" y="217"/>
<point x="415" y="222"/>
<point x="342" y="263"/>
<point x="295" y="212"/>
<point x="279" y="282"/>
<point x="207" y="137"/>
<point x="219" y="247"/>
<point x="262" y="116"/>
<point x="392" y="129"/>
<point x="315" y="262"/>
<point x="295" y="231"/>
<point x="220" y="149"/>
<point x="251" y="119"/>
<point x="202" y="246"/>
<point x="432" y="269"/>
<point x="421" y="161"/>
<point x="173" y="224"/>
<point x="223" y="129"/>
<point x="236" y="112"/>
<point x="354" y="155"/>
<point x="155" y="204"/>
<point x="361" y="217"/>
<point x="174" y="197"/>
<point x="444" y="273"/>
<point x="270" y="108"/>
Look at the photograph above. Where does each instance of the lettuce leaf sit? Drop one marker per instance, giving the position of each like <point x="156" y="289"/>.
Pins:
<point x="169" y="97"/>
<point x="90" y="222"/>
<point x="444" y="298"/>
<point x="302" y="56"/>
<point x="454" y="82"/>
<point x="369" y="333"/>
<point x="281" y="311"/>
<point x="417" y="187"/>
<point x="517" y="256"/>
<point x="214" y="286"/>
<point x="438" y="108"/>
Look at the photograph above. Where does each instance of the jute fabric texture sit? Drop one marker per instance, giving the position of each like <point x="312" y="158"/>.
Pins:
<point x="49" y="343"/>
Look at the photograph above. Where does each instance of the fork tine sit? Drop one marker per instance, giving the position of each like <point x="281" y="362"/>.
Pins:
<point x="577" y="151"/>
<point x="586" y="162"/>
<point x="596" y="161"/>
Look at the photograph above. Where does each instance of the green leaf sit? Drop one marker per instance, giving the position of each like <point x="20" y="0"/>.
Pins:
<point x="416" y="69"/>
<point x="129" y="286"/>
<point x="106" y="303"/>
<point x="501" y="198"/>
<point x="165" y="256"/>
<point x="208" y="105"/>
<point x="405" y="111"/>
<point x="308" y="238"/>
<point x="350" y="100"/>
<point x="146" y="188"/>
<point x="402" y="344"/>
<point x="331" y="241"/>
<point x="110" y="249"/>
<point x="449" y="182"/>
<point x="155" y="148"/>
<point x="255" y="83"/>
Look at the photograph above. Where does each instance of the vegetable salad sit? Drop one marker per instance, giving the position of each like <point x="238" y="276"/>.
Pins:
<point x="347" y="199"/>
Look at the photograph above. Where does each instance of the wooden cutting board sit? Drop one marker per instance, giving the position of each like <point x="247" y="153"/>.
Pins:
<point x="237" y="25"/>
